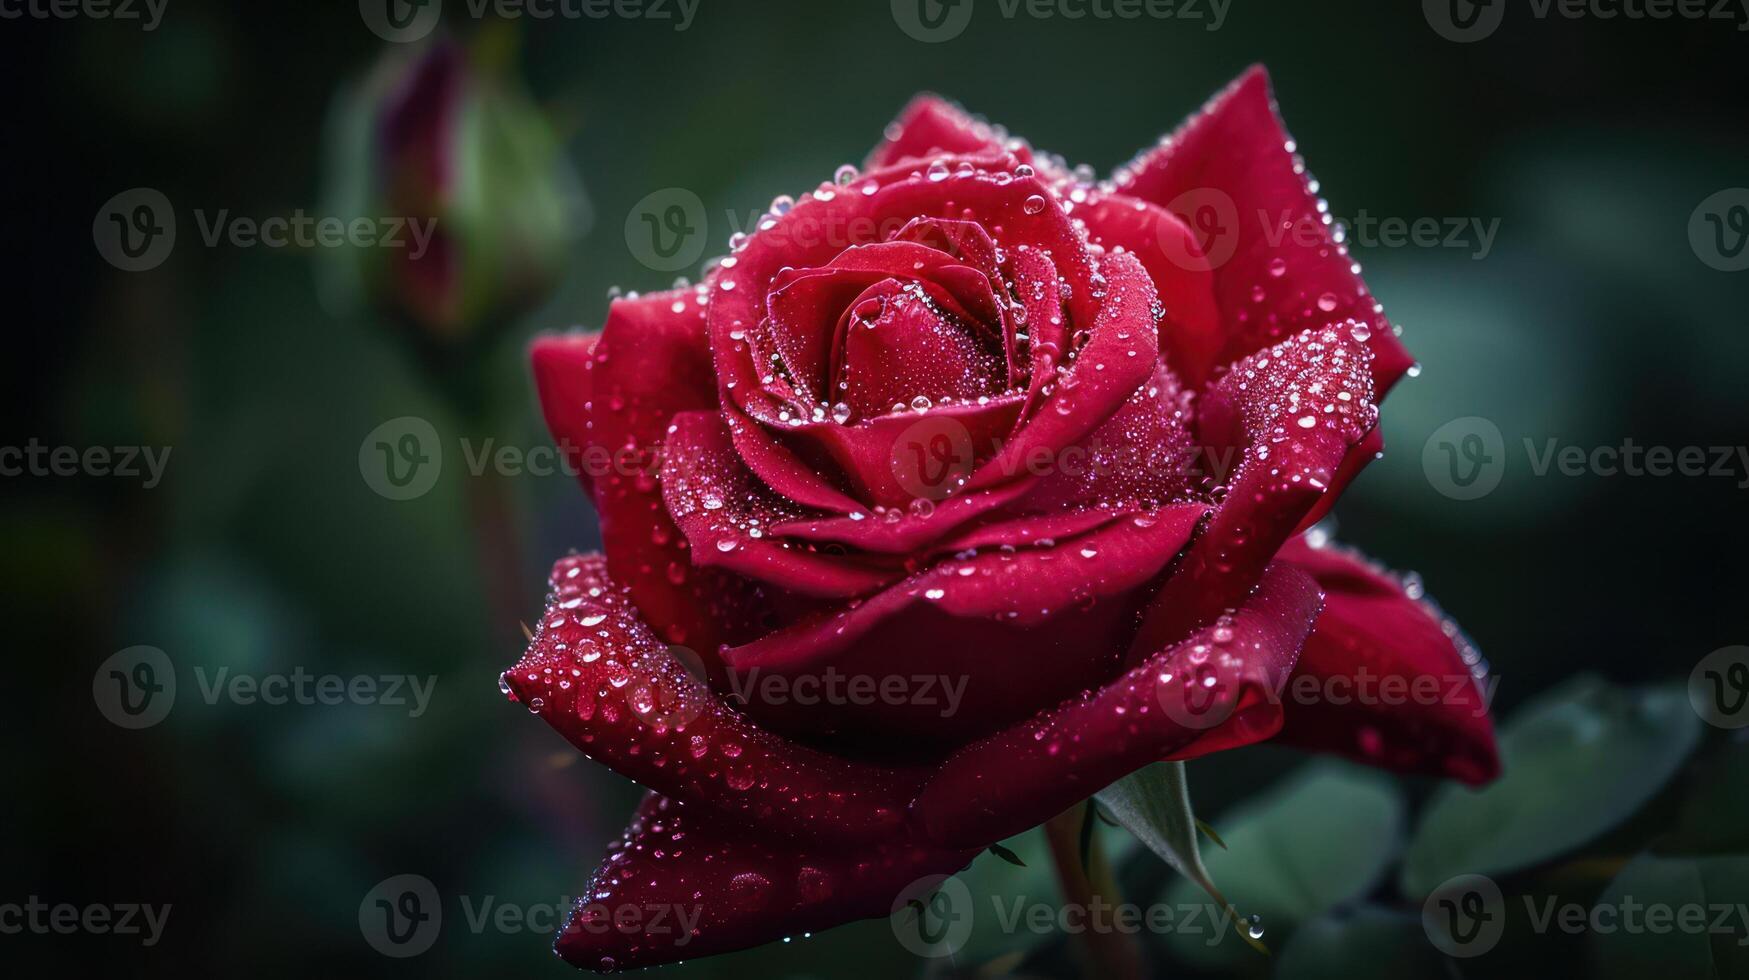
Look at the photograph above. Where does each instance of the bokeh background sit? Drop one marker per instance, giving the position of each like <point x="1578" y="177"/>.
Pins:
<point x="1590" y="318"/>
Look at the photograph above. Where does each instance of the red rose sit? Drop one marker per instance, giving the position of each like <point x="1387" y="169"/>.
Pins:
<point x="970" y="421"/>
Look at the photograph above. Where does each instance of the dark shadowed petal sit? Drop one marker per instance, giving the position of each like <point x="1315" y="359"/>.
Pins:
<point x="683" y="883"/>
<point x="1386" y="678"/>
<point x="603" y="680"/>
<point x="1233" y="171"/>
<point x="1000" y="633"/>
<point x="1215" y="690"/>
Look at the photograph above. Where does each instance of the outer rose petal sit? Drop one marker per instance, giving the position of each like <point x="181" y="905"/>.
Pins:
<point x="615" y="396"/>
<point x="1235" y="158"/>
<point x="1374" y="632"/>
<point x="1292" y="412"/>
<point x="1010" y="629"/>
<point x="597" y="674"/>
<point x="735" y="886"/>
<point x="1023" y="776"/>
<point x="930" y="126"/>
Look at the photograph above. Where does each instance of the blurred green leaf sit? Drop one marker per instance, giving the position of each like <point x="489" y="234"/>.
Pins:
<point x="1578" y="762"/>
<point x="1324" y="837"/>
<point x="1364" y="944"/>
<point x="1715" y="817"/>
<point x="1702" y="929"/>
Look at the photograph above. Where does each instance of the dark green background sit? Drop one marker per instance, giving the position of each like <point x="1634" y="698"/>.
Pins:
<point x="1591" y="320"/>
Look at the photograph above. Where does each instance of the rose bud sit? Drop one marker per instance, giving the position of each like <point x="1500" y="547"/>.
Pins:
<point x="444" y="140"/>
<point x="963" y="487"/>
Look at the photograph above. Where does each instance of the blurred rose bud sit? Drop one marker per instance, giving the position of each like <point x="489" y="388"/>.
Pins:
<point x="474" y="203"/>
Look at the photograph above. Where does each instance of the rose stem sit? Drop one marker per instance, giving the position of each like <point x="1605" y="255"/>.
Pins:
<point x="1109" y="953"/>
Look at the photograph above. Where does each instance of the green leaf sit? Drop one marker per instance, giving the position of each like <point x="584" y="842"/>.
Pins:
<point x="1710" y="891"/>
<point x="1578" y="763"/>
<point x="1325" y="836"/>
<point x="1209" y="832"/>
<point x="1154" y="805"/>
<point x="1713" y="817"/>
<point x="1006" y="855"/>
<point x="1368" y="943"/>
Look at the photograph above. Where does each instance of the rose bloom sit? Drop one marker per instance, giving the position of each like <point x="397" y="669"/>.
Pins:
<point x="963" y="487"/>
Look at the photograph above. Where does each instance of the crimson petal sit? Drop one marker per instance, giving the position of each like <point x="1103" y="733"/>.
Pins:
<point x="1232" y="170"/>
<point x="603" y="680"/>
<point x="608" y="404"/>
<point x="683" y="883"/>
<point x="930" y="126"/>
<point x="1056" y="613"/>
<point x="1291" y="413"/>
<point x="1021" y="777"/>
<point x="727" y="514"/>
<point x="1427" y="710"/>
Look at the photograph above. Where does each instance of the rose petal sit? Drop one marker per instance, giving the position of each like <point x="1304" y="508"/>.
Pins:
<point x="726" y="514"/>
<point x="817" y="230"/>
<point x="608" y="404"/>
<point x="1141" y="457"/>
<point x="1386" y="678"/>
<point x="1120" y="355"/>
<point x="930" y="126"/>
<point x="1192" y="334"/>
<point x="1290" y="413"/>
<point x="1021" y="777"/>
<point x="682" y="883"/>
<point x="1275" y="258"/>
<point x="998" y="635"/>
<point x="602" y="679"/>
